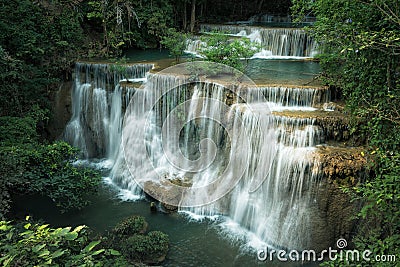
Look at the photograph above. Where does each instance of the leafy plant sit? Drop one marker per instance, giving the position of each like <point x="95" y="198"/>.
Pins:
<point x="235" y="53"/>
<point x="39" y="245"/>
<point x="129" y="236"/>
<point x="130" y="226"/>
<point x="27" y="166"/>
<point x="150" y="248"/>
<point x="175" y="42"/>
<point x="360" y="54"/>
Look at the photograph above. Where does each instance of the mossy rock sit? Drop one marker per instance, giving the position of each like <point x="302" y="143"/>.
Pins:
<point x="151" y="248"/>
<point x="131" y="226"/>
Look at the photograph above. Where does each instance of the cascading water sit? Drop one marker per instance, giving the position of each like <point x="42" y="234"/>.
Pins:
<point x="275" y="42"/>
<point x="302" y="98"/>
<point x="277" y="211"/>
<point x="95" y="125"/>
<point x="186" y="133"/>
<point x="274" y="197"/>
<point x="194" y="45"/>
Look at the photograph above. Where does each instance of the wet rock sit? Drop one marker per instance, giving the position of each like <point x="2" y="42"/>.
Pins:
<point x="334" y="124"/>
<point x="333" y="217"/>
<point x="332" y="106"/>
<point x="61" y="111"/>
<point x="344" y="166"/>
<point x="164" y="192"/>
<point x="153" y="207"/>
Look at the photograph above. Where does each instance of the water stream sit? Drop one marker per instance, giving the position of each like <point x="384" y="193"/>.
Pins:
<point x="255" y="170"/>
<point x="276" y="43"/>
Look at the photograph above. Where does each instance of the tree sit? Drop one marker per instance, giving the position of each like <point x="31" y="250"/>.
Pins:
<point x="193" y="16"/>
<point x="360" y="55"/>
<point x="27" y="166"/>
<point x="220" y="48"/>
<point x="131" y="23"/>
<point x="175" y="42"/>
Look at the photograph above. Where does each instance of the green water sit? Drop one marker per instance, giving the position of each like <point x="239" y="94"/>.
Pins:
<point x="283" y="72"/>
<point x="192" y="243"/>
<point x="138" y="55"/>
<point x="261" y="71"/>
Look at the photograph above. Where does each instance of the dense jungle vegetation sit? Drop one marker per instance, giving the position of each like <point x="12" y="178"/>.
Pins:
<point x="360" y="57"/>
<point x="40" y="41"/>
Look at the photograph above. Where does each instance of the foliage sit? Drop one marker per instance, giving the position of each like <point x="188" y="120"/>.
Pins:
<point x="130" y="226"/>
<point x="40" y="245"/>
<point x="129" y="236"/>
<point x="38" y="46"/>
<point x="220" y="48"/>
<point x="175" y="42"/>
<point x="49" y="37"/>
<point x="130" y="23"/>
<point x="150" y="248"/>
<point x="27" y="166"/>
<point x="360" y="54"/>
<point x="22" y="130"/>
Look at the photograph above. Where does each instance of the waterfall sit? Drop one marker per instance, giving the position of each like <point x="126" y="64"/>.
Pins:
<point x="278" y="211"/>
<point x="275" y="42"/>
<point x="295" y="96"/>
<point x="95" y="125"/>
<point x="211" y="148"/>
<point x="194" y="45"/>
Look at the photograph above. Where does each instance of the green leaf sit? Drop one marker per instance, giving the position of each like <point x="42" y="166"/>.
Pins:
<point x="7" y="260"/>
<point x="71" y="236"/>
<point x="37" y="248"/>
<point x="115" y="252"/>
<point x="9" y="235"/>
<point x="57" y="253"/>
<point x="91" y="246"/>
<point x="43" y="226"/>
<point x="64" y="231"/>
<point x="79" y="228"/>
<point x="44" y="253"/>
<point x="97" y="252"/>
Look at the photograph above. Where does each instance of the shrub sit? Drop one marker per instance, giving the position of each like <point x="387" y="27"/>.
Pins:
<point x="175" y="42"/>
<point x="151" y="248"/>
<point x="235" y="53"/>
<point x="40" y="245"/>
<point x="27" y="166"/>
<point x="130" y="226"/>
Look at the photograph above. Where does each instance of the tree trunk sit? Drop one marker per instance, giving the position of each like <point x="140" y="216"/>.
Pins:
<point x="184" y="16"/>
<point x="193" y="16"/>
<point x="260" y="4"/>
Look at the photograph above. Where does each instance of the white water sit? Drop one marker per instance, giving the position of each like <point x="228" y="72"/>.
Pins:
<point x="276" y="43"/>
<point x="266" y="161"/>
<point x="95" y="125"/>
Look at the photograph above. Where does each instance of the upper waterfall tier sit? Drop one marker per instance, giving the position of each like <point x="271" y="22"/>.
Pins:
<point x="284" y="96"/>
<point x="98" y="101"/>
<point x="275" y="42"/>
<point x="107" y="76"/>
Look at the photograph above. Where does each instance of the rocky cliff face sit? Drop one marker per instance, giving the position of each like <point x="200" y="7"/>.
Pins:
<point x="339" y="167"/>
<point x="61" y="111"/>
